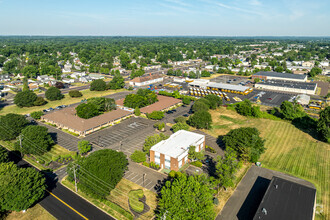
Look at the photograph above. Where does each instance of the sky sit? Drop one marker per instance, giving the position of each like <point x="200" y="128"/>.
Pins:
<point x="165" y="17"/>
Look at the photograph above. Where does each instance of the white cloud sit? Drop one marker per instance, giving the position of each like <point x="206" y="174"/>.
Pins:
<point x="255" y="2"/>
<point x="178" y="2"/>
<point x="236" y="8"/>
<point x="177" y="8"/>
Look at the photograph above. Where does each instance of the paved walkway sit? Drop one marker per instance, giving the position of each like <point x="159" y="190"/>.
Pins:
<point x="250" y="191"/>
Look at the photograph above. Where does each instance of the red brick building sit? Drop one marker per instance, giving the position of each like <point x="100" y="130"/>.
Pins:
<point x="173" y="153"/>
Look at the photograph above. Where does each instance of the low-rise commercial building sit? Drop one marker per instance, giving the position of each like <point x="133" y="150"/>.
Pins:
<point x="279" y="76"/>
<point x="287" y="200"/>
<point x="173" y="153"/>
<point x="67" y="119"/>
<point x="223" y="87"/>
<point x="286" y="86"/>
<point x="146" y="80"/>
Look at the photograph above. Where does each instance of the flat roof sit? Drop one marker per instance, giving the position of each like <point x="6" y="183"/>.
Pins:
<point x="296" y="85"/>
<point x="286" y="200"/>
<point x="178" y="143"/>
<point x="239" y="88"/>
<point x="67" y="117"/>
<point x="280" y="75"/>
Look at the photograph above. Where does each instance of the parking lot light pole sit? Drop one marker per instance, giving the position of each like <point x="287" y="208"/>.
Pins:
<point x="144" y="178"/>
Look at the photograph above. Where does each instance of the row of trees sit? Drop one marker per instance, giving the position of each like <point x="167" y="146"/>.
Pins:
<point x="95" y="106"/>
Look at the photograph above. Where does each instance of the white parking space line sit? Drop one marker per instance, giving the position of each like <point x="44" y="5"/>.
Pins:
<point x="129" y="175"/>
<point x="137" y="181"/>
<point x="134" y="177"/>
<point x="148" y="184"/>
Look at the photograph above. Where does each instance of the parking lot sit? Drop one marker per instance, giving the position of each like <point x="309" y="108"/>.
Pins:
<point x="127" y="136"/>
<point x="271" y="98"/>
<point x="234" y="80"/>
<point x="183" y="110"/>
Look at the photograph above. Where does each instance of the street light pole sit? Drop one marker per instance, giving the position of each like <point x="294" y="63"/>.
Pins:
<point x="143" y="178"/>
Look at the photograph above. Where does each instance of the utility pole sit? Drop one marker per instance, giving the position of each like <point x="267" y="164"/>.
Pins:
<point x="20" y="144"/>
<point x="75" y="178"/>
<point x="143" y="178"/>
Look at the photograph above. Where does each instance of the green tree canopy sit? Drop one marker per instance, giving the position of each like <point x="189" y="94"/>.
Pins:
<point x="152" y="140"/>
<point x="3" y="156"/>
<point x="199" y="106"/>
<point x="53" y="94"/>
<point x="11" y="126"/>
<point x="187" y="197"/>
<point x="84" y="146"/>
<point x="20" y="188"/>
<point x="39" y="101"/>
<point x="37" y="115"/>
<point x="103" y="104"/>
<point x="214" y="100"/>
<point x="315" y="71"/>
<point x="323" y="124"/>
<point x="180" y="126"/>
<point x="98" y="85"/>
<point x="87" y="110"/>
<point x="155" y="115"/>
<point x="246" y="142"/>
<point x="200" y="119"/>
<point x="25" y="99"/>
<point x="35" y="140"/>
<point x="117" y="82"/>
<point x="75" y="93"/>
<point x="291" y="111"/>
<point x="100" y="172"/>
<point x="143" y="98"/>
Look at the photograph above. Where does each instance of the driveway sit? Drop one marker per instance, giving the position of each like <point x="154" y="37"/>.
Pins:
<point x="243" y="204"/>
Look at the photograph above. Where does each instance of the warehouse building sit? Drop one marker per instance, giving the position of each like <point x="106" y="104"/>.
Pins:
<point x="287" y="200"/>
<point x="262" y="75"/>
<point x="223" y="87"/>
<point x="286" y="86"/>
<point x="146" y="80"/>
<point x="172" y="153"/>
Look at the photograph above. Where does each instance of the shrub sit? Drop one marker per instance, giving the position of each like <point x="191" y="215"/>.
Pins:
<point x="197" y="163"/>
<point x="39" y="101"/>
<point x="201" y="119"/>
<point x="75" y="93"/>
<point x="146" y="164"/>
<point x="138" y="156"/>
<point x="25" y="99"/>
<point x="84" y="146"/>
<point x="137" y="111"/>
<point x="209" y="148"/>
<point x="180" y="119"/>
<point x="186" y="100"/>
<point x="172" y="174"/>
<point x="37" y="115"/>
<point x="159" y="125"/>
<point x="156" y="115"/>
<point x="180" y="126"/>
<point x="134" y="202"/>
<point x="86" y="111"/>
<point x="199" y="106"/>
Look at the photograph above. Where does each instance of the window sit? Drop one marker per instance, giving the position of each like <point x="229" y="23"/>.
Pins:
<point x="180" y="163"/>
<point x="167" y="160"/>
<point x="167" y="166"/>
<point x="157" y="157"/>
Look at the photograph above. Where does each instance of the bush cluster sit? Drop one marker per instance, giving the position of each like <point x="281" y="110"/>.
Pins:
<point x="138" y="156"/>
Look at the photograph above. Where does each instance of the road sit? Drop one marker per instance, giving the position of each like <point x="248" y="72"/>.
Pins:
<point x="62" y="203"/>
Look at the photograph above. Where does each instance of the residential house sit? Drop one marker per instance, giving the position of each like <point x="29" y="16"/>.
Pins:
<point x="76" y="75"/>
<point x="326" y="71"/>
<point x="85" y="79"/>
<point x="16" y="83"/>
<point x="43" y="78"/>
<point x="67" y="68"/>
<point x="33" y="86"/>
<point x="172" y="153"/>
<point x="308" y="64"/>
<point x="95" y="76"/>
<point x="324" y="63"/>
<point x="67" y="80"/>
<point x="5" y="77"/>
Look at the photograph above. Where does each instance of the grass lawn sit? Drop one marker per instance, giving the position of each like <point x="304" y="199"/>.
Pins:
<point x="289" y="150"/>
<point x="120" y="197"/>
<point x="37" y="212"/>
<point x="67" y="100"/>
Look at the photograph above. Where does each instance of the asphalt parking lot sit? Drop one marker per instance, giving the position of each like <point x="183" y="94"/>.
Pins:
<point x="127" y="136"/>
<point x="183" y="110"/>
<point x="234" y="80"/>
<point x="272" y="98"/>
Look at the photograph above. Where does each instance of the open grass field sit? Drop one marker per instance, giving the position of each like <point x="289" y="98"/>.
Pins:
<point x="67" y="100"/>
<point x="289" y="150"/>
<point x="36" y="213"/>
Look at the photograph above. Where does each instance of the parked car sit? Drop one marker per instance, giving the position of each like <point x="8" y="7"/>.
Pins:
<point x="63" y="106"/>
<point x="51" y="109"/>
<point x="44" y="111"/>
<point x="58" y="107"/>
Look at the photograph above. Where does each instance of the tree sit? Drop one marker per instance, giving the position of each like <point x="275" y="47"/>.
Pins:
<point x="199" y="106"/>
<point x="138" y="156"/>
<point x="244" y="108"/>
<point x="124" y="59"/>
<point x="279" y="69"/>
<point x="87" y="110"/>
<point x="53" y="94"/>
<point x="25" y="99"/>
<point x="39" y="101"/>
<point x="20" y="188"/>
<point x="75" y="94"/>
<point x="195" y="155"/>
<point x="11" y="126"/>
<point x="246" y="142"/>
<point x="137" y="111"/>
<point x="3" y="157"/>
<point x="214" y="100"/>
<point x="186" y="100"/>
<point x="152" y="140"/>
<point x="103" y="168"/>
<point x="187" y="197"/>
<point x="226" y="167"/>
<point x="59" y="85"/>
<point x="180" y="126"/>
<point x="180" y="119"/>
<point x="205" y="73"/>
<point x="200" y="119"/>
<point x="156" y="115"/>
<point x="315" y="71"/>
<point x="30" y="71"/>
<point x="35" y="140"/>
<point x="117" y="82"/>
<point x="84" y="146"/>
<point x="103" y="104"/>
<point x="37" y="115"/>
<point x="25" y="84"/>
<point x="98" y="85"/>
<point x="291" y="111"/>
<point x="323" y="124"/>
<point x="142" y="98"/>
